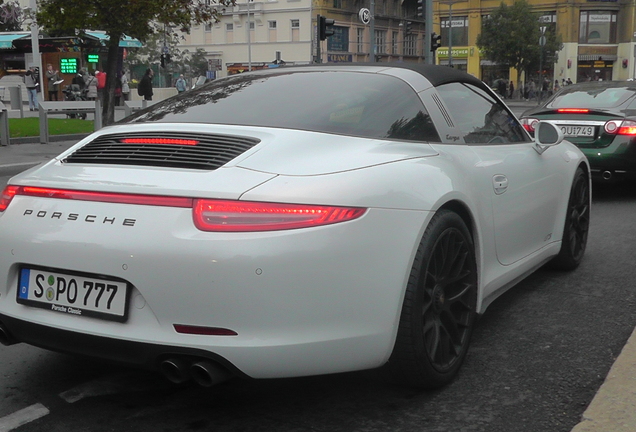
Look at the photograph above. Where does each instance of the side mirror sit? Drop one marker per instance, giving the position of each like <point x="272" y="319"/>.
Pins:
<point x="546" y="135"/>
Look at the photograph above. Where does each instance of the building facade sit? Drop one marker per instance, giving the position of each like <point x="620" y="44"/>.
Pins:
<point x="599" y="37"/>
<point x="286" y="30"/>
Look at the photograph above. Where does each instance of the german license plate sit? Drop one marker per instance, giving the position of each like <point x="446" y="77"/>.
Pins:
<point x="577" y="131"/>
<point x="73" y="293"/>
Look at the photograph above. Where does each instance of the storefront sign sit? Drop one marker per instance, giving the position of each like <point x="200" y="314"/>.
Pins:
<point x="457" y="53"/>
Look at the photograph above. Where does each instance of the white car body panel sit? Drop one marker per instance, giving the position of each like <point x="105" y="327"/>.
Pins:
<point x="304" y="301"/>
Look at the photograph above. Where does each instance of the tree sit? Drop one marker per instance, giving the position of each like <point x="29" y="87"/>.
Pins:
<point x="135" y="18"/>
<point x="510" y="36"/>
<point x="11" y="16"/>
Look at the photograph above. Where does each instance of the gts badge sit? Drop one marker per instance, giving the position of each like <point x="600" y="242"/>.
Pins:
<point x="76" y="217"/>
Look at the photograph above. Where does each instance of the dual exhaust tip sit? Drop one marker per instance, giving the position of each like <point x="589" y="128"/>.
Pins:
<point x="6" y="338"/>
<point x="203" y="372"/>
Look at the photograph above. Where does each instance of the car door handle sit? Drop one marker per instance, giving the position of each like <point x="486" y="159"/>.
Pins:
<point x="500" y="183"/>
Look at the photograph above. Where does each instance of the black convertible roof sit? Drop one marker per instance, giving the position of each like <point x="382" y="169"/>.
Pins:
<point x="436" y="74"/>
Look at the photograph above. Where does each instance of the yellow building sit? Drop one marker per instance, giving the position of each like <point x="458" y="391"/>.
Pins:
<point x="598" y="37"/>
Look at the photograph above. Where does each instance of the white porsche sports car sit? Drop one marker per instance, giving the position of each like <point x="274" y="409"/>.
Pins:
<point x="289" y="222"/>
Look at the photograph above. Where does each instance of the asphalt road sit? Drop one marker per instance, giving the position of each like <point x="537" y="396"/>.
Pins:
<point x="538" y="356"/>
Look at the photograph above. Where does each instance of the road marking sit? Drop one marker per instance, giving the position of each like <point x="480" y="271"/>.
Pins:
<point x="22" y="417"/>
<point x="113" y="384"/>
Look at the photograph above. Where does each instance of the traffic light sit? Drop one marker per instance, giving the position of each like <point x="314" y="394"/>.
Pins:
<point x="163" y="60"/>
<point x="409" y="28"/>
<point x="324" y="27"/>
<point x="436" y="41"/>
<point x="420" y="8"/>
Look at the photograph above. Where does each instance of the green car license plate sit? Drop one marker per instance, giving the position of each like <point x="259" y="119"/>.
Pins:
<point x="74" y="293"/>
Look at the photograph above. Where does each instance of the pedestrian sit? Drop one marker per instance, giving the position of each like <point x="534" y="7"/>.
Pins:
<point x="145" y="85"/>
<point x="91" y="85"/>
<point x="125" y="87"/>
<point x="512" y="90"/>
<point x="181" y="84"/>
<point x="32" y="82"/>
<point x="101" y="83"/>
<point x="557" y="87"/>
<point x="532" y="90"/>
<point x="501" y="87"/>
<point x="79" y="80"/>
<point x="569" y="81"/>
<point x="54" y="82"/>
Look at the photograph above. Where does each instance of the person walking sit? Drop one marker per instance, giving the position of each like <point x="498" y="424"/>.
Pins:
<point x="31" y="83"/>
<point x="91" y="85"/>
<point x="145" y="85"/>
<point x="125" y="86"/>
<point x="511" y="89"/>
<point x="181" y="84"/>
<point x="53" y="78"/>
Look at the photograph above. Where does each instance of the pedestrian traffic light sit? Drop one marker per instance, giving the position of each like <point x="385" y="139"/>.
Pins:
<point x="420" y="8"/>
<point x="436" y="41"/>
<point x="324" y="27"/>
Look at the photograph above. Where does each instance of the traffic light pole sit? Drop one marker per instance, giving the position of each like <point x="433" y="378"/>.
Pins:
<point x="430" y="56"/>
<point x="372" y="33"/>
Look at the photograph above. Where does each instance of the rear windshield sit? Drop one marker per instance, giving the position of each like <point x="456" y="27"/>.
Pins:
<point x="594" y="96"/>
<point x="349" y="103"/>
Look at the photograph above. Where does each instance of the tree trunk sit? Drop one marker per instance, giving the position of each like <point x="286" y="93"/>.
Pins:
<point x="112" y="64"/>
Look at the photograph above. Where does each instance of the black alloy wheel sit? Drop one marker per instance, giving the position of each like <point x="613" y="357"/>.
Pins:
<point x="439" y="308"/>
<point x="577" y="224"/>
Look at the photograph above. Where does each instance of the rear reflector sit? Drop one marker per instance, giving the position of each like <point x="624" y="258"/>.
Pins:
<point x="573" y="110"/>
<point x="239" y="216"/>
<point x="209" y="214"/>
<point x="7" y="195"/>
<point x="207" y="331"/>
<point x="170" y="141"/>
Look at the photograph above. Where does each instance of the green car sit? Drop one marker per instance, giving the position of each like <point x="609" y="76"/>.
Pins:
<point x="599" y="118"/>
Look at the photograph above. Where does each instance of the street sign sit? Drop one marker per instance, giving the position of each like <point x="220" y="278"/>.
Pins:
<point x="365" y="16"/>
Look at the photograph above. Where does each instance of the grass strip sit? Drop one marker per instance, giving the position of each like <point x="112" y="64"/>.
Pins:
<point x="30" y="126"/>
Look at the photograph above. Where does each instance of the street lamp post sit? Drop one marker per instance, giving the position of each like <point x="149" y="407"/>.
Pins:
<point x="450" y="4"/>
<point x="541" y="44"/>
<point x="249" y="38"/>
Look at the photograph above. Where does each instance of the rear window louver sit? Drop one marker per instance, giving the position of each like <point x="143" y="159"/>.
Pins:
<point x="210" y="152"/>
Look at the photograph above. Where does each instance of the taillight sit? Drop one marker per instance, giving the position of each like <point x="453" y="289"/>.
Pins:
<point x="573" y="110"/>
<point x="529" y="124"/>
<point x="209" y="214"/>
<point x="7" y="195"/>
<point x="620" y="127"/>
<point x="239" y="216"/>
<point x="169" y="141"/>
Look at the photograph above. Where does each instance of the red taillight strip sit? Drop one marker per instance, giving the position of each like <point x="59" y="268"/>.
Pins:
<point x="209" y="214"/>
<point x="7" y="195"/>
<point x="207" y="331"/>
<point x="240" y="216"/>
<point x="164" y="201"/>
<point x="170" y="141"/>
<point x="573" y="110"/>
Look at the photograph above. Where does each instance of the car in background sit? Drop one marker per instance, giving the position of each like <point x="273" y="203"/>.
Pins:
<point x="290" y="222"/>
<point x="599" y="117"/>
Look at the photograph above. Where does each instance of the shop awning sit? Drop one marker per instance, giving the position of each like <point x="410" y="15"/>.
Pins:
<point x="597" y="57"/>
<point x="6" y="39"/>
<point x="126" y="42"/>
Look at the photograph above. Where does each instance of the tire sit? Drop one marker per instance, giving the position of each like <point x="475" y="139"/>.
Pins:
<point x="439" y="310"/>
<point x="577" y="225"/>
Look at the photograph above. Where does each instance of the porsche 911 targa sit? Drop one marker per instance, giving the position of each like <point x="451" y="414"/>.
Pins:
<point x="290" y="222"/>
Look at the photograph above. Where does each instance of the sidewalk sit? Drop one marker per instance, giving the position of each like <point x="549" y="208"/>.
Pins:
<point x="613" y="409"/>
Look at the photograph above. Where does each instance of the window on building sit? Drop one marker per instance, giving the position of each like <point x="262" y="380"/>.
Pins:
<point x="271" y="25"/>
<point x="340" y="39"/>
<point x="460" y="31"/>
<point x="208" y="27"/>
<point x="229" y="33"/>
<point x="295" y="30"/>
<point x="394" y="42"/>
<point x="598" y="27"/>
<point x="337" y="4"/>
<point x="360" y="40"/>
<point x="410" y="45"/>
<point x="229" y="27"/>
<point x="380" y="41"/>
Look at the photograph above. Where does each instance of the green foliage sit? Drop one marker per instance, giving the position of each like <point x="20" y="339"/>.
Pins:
<point x="510" y="36"/>
<point x="11" y="16"/>
<point x="139" y="19"/>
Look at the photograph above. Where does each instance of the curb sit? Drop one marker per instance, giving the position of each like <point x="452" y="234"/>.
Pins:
<point x="52" y="138"/>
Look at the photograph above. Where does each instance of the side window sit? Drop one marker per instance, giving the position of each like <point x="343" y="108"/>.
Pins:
<point x="482" y="118"/>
